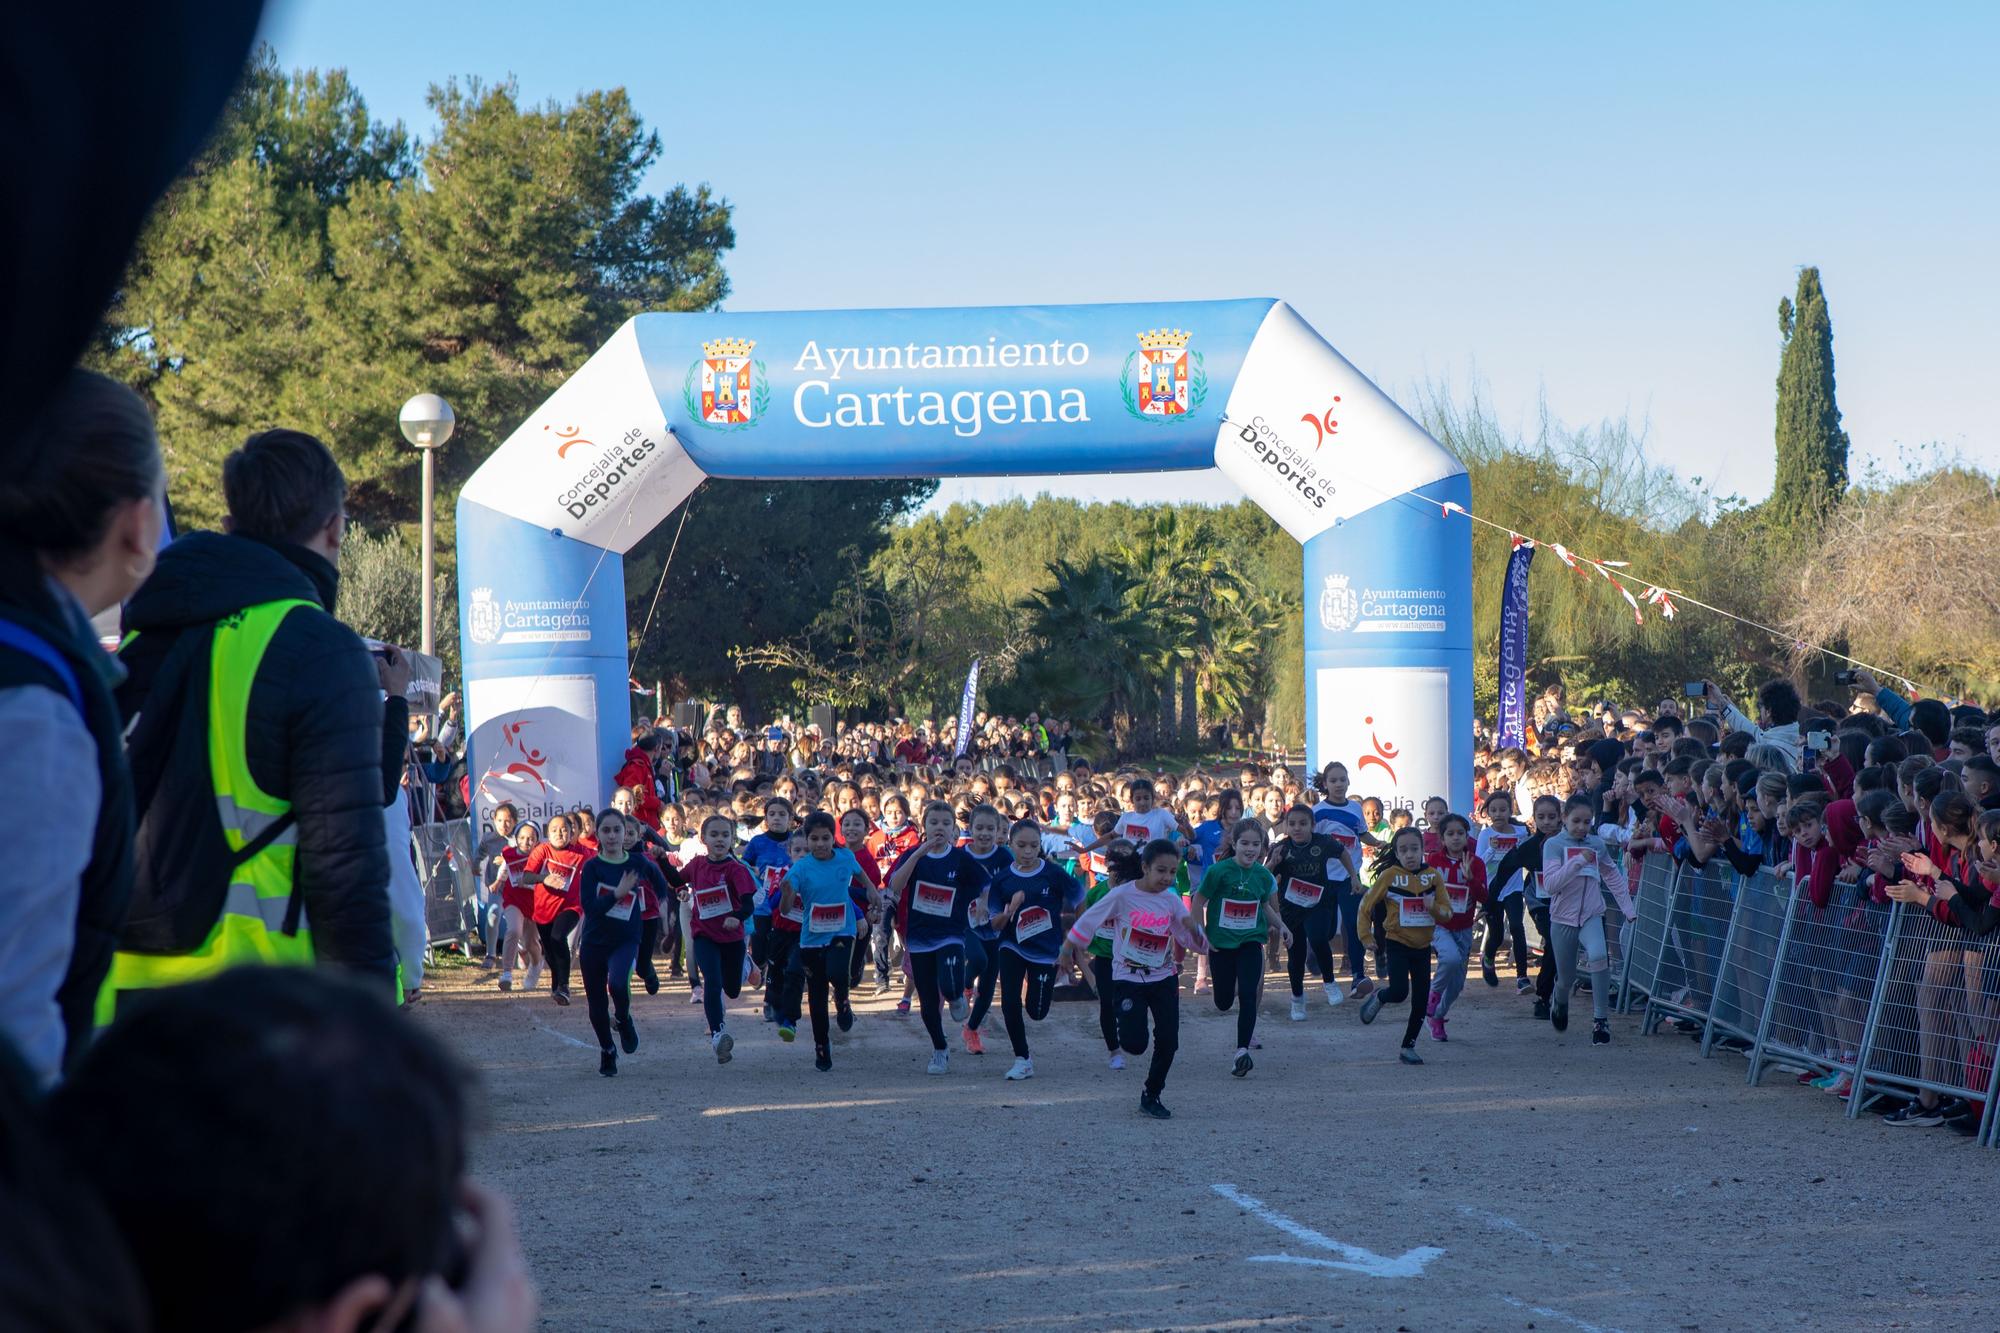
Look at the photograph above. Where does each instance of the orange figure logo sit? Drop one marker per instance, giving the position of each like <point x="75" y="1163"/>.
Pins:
<point x="569" y="435"/>
<point x="1384" y="752"/>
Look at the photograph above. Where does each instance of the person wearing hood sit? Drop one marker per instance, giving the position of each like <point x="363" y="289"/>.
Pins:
<point x="294" y="750"/>
<point x="80" y="523"/>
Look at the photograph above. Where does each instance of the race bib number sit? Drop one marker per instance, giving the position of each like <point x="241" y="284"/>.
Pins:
<point x="932" y="899"/>
<point x="1345" y="836"/>
<point x="1413" y="912"/>
<point x="1105" y="932"/>
<point x="1239" y="914"/>
<point x="1535" y="885"/>
<point x="711" y="903"/>
<point x="1503" y="843"/>
<point x="1303" y="892"/>
<point x="1033" y="921"/>
<point x="556" y="879"/>
<point x="1461" y="899"/>
<point x="1139" y="834"/>
<point x="797" y="912"/>
<point x="622" y="909"/>
<point x="828" y="918"/>
<point x="1587" y="855"/>
<point x="1146" y="949"/>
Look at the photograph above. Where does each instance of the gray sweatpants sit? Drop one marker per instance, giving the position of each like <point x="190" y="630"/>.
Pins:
<point x="1589" y="937"/>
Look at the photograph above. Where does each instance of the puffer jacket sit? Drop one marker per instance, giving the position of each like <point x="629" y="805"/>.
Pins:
<point x="317" y="737"/>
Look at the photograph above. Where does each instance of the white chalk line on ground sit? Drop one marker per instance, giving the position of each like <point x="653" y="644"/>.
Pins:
<point x="1352" y="1259"/>
<point x="564" y="1036"/>
<point x="802" y="1106"/>
<point x="1508" y="1224"/>
<point x="1543" y="1311"/>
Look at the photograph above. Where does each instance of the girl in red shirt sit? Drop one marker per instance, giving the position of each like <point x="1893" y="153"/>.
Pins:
<point x="720" y="897"/>
<point x="853" y="835"/>
<point x="1465" y="880"/>
<point x="554" y="866"/>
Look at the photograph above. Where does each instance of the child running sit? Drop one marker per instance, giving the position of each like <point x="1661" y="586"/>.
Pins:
<point x="609" y="889"/>
<point x="1405" y="899"/>
<point x="982" y="941"/>
<point x="721" y="897"/>
<point x="1505" y="903"/>
<point x="1122" y="866"/>
<point x="940" y="880"/>
<point x="1576" y="870"/>
<point x="554" y="866"/>
<point x="1028" y="901"/>
<point x="517" y="901"/>
<point x="1465" y="883"/>
<point x="1240" y="890"/>
<point x="1146" y="920"/>
<point x="1303" y="863"/>
<point x="818" y="887"/>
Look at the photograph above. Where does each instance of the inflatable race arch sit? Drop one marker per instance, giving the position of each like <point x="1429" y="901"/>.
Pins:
<point x="1245" y="386"/>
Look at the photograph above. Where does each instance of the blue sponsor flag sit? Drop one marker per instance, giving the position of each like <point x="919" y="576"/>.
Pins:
<point x="1514" y="646"/>
<point x="965" y="709"/>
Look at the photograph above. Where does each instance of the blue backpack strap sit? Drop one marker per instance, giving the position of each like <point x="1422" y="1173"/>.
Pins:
<point x="32" y="645"/>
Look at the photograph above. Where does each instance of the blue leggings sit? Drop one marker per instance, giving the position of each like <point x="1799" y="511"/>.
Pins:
<point x="607" y="985"/>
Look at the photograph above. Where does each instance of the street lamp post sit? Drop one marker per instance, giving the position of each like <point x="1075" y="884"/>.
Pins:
<point x="427" y="422"/>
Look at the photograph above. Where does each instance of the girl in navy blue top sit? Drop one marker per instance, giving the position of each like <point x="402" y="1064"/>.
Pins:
<point x="609" y="887"/>
<point x="940" y="881"/>
<point x="1028" y="900"/>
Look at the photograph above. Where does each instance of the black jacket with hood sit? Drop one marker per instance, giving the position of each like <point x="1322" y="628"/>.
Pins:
<point x="317" y="733"/>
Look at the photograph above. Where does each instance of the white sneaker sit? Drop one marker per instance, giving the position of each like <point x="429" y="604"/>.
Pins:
<point x="723" y="1044"/>
<point x="940" y="1062"/>
<point x="694" y="997"/>
<point x="959" y="1008"/>
<point x="1298" y="1008"/>
<point x="1334" y="994"/>
<point x="1118" y="1059"/>
<point x="1023" y="1068"/>
<point x="533" y="981"/>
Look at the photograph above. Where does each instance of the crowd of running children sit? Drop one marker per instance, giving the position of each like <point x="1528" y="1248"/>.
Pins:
<point x="955" y="887"/>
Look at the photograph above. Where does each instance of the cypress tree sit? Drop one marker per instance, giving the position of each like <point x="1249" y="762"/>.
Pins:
<point x="1812" y="448"/>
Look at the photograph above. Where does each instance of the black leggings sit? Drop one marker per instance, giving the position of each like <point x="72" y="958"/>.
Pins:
<point x="607" y="987"/>
<point x="1503" y="921"/>
<point x="642" y="962"/>
<point x="1040" y="984"/>
<point x="1409" y="978"/>
<point x="720" y="963"/>
<point x="1236" y="973"/>
<point x="784" y="977"/>
<point x="933" y="970"/>
<point x="1107" y="1004"/>
<point x="825" y="969"/>
<point x="1161" y="1002"/>
<point x="670" y="932"/>
<point x="1545" y="970"/>
<point x="984" y="977"/>
<point x="555" y="948"/>
<point x="1312" y="932"/>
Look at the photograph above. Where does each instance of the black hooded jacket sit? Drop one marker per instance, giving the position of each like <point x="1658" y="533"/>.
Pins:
<point x="316" y="735"/>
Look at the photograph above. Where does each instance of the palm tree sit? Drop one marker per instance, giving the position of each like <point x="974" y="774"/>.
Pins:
<point x="1192" y="592"/>
<point x="1097" y="644"/>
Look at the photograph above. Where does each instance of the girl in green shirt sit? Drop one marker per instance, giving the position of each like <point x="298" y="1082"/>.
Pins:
<point x="1242" y="909"/>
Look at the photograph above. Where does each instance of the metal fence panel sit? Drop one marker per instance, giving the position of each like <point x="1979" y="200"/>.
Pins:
<point x="1936" y="1015"/>
<point x="450" y="880"/>
<point x="1647" y="941"/>
<point x="1697" y="933"/>
<point x="1823" y="983"/>
<point x="1743" y="981"/>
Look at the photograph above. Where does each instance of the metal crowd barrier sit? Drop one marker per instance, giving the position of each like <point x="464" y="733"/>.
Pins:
<point x="1887" y="995"/>
<point x="445" y="869"/>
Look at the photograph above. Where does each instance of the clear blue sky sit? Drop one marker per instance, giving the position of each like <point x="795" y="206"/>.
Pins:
<point x="1602" y="203"/>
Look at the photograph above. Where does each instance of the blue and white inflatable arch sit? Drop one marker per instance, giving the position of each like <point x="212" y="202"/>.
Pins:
<point x="1245" y="386"/>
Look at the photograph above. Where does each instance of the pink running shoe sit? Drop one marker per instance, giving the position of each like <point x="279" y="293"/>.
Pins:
<point x="1437" y="1030"/>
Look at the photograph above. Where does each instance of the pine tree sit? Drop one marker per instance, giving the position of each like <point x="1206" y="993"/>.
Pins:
<point x="1812" y="448"/>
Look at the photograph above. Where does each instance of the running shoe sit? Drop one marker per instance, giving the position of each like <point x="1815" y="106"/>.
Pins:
<point x="1298" y="1008"/>
<point x="786" y="1032"/>
<point x="902" y="1008"/>
<point x="1559" y="1017"/>
<point x="1023" y="1068"/>
<point x="1522" y="985"/>
<point x="607" y="1063"/>
<point x="770" y="1012"/>
<point x="1150" y="1105"/>
<point x="1431" y="1005"/>
<point x="1825" y="1081"/>
<point x="694" y="997"/>
<point x="1437" y="1029"/>
<point x="1371" y="1006"/>
<point x="881" y="989"/>
<point x="723" y="1044"/>
<point x="959" y="1008"/>
<point x="1242" y="1064"/>
<point x="561" y="997"/>
<point x="628" y="1034"/>
<point x="844" y="1016"/>
<point x="1541" y="1009"/>
<point x="822" y="1059"/>
<point x="1915" y="1116"/>
<point x="492" y="961"/>
<point x="940" y="1062"/>
<point x="653" y="984"/>
<point x="506" y="981"/>
<point x="1600" y="1033"/>
<point x="533" y="981"/>
<point x="1408" y="1055"/>
<point x="1334" y="994"/>
<point x="1841" y="1086"/>
<point x="1487" y="971"/>
<point x="1118" y="1059"/>
<point x="973" y="1043"/>
<point x="1955" y="1108"/>
<point x="1362" y="988"/>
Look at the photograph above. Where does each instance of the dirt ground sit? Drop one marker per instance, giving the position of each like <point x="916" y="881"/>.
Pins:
<point x="1629" y="1187"/>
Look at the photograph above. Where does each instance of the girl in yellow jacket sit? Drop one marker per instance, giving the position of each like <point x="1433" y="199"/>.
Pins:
<point x="1406" y="901"/>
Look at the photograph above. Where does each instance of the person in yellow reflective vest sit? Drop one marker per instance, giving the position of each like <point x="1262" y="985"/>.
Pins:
<point x="260" y="712"/>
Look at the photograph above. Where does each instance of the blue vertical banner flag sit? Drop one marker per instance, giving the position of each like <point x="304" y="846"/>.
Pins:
<point x="965" y="710"/>
<point x="1514" y="645"/>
